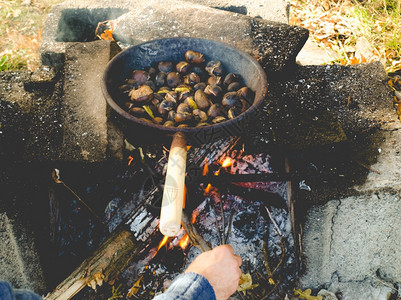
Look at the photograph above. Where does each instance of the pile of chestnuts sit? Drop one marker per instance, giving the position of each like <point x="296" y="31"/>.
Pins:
<point x="188" y="93"/>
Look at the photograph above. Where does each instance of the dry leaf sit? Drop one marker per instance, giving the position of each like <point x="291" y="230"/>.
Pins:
<point x="306" y="294"/>
<point x="245" y="283"/>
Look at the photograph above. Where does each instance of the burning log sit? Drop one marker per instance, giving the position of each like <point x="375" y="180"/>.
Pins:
<point x="104" y="265"/>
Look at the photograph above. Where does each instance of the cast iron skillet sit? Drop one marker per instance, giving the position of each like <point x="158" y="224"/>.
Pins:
<point x="173" y="49"/>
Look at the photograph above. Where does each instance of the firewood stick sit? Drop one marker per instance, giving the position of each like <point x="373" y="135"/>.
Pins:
<point x="194" y="236"/>
<point x="105" y="264"/>
<point x="173" y="194"/>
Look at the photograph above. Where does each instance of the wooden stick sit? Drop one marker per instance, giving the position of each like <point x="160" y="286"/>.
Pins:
<point x="194" y="236"/>
<point x="173" y="194"/>
<point x="105" y="264"/>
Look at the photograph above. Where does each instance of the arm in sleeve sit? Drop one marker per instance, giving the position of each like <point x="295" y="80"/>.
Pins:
<point x="188" y="286"/>
<point x="8" y="293"/>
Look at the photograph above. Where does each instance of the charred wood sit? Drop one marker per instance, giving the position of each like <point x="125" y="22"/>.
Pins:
<point x="103" y="265"/>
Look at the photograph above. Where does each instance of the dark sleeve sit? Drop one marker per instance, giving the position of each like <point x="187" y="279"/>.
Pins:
<point x="188" y="286"/>
<point x="8" y="293"/>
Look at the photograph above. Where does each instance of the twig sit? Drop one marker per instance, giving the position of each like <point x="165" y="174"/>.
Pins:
<point x="367" y="167"/>
<point x="273" y="221"/>
<point x="266" y="256"/>
<point x="56" y="178"/>
<point x="230" y="223"/>
<point x="238" y="293"/>
<point x="282" y="252"/>
<point x="276" y="228"/>
<point x="383" y="282"/>
<point x="194" y="236"/>
<point x="217" y="225"/>
<point x="223" y="220"/>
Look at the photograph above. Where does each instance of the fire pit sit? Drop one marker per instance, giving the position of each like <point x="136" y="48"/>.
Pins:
<point x="252" y="213"/>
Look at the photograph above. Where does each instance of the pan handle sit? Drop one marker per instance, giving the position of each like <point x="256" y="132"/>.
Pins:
<point x="173" y="194"/>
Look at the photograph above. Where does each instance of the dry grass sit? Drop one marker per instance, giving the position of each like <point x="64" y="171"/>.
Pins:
<point x="20" y="32"/>
<point x="337" y="24"/>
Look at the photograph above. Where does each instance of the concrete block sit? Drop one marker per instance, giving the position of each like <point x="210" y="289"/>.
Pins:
<point x="354" y="239"/>
<point x="19" y="262"/>
<point x="274" y="44"/>
<point x="270" y="10"/>
<point x="84" y="115"/>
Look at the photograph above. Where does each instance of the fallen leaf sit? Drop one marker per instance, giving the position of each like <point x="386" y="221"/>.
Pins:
<point x="245" y="283"/>
<point x="306" y="294"/>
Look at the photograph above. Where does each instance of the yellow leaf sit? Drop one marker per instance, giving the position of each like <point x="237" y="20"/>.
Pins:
<point x="245" y="283"/>
<point x="306" y="294"/>
<point x="149" y="111"/>
<point x="135" y="288"/>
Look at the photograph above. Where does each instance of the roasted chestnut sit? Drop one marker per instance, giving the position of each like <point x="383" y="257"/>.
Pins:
<point x="231" y="99"/>
<point x="185" y="93"/>
<point x="173" y="79"/>
<point x="140" y="76"/>
<point x="194" y="57"/>
<point x="230" y="78"/>
<point x="201" y="99"/>
<point x="214" y="67"/>
<point x="165" y="66"/>
<point x="143" y="94"/>
<point x="183" y="67"/>
<point x="214" y="110"/>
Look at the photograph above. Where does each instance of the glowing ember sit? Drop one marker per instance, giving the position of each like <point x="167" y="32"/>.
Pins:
<point x="227" y="162"/>
<point x="130" y="160"/>
<point x="205" y="170"/>
<point x="162" y="243"/>
<point x="184" y="242"/>
<point x="185" y="196"/>
<point x="207" y="189"/>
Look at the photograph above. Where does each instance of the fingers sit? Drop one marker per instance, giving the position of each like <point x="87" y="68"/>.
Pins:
<point x="238" y="259"/>
<point x="230" y="249"/>
<point x="226" y="247"/>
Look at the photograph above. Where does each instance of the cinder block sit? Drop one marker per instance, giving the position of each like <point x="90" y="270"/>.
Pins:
<point x="19" y="262"/>
<point x="84" y="109"/>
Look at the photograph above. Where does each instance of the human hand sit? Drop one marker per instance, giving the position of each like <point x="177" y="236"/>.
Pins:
<point x="221" y="268"/>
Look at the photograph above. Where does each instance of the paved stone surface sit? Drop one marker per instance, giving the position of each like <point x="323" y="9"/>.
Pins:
<point x="274" y="44"/>
<point x="270" y="10"/>
<point x="312" y="54"/>
<point x="19" y="263"/>
<point x="84" y="119"/>
<point x="354" y="239"/>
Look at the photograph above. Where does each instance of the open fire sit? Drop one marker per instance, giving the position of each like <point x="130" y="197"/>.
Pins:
<point x="258" y="231"/>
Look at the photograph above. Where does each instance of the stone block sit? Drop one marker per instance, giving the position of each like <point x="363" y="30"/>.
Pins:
<point x="353" y="239"/>
<point x="84" y="109"/>
<point x="270" y="10"/>
<point x="274" y="44"/>
<point x="19" y="261"/>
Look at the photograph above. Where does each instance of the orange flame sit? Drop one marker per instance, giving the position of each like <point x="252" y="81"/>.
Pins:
<point x="184" y="242"/>
<point x="205" y="170"/>
<point x="130" y="160"/>
<point x="227" y="162"/>
<point x="162" y="243"/>
<point x="207" y="189"/>
<point x="185" y="196"/>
